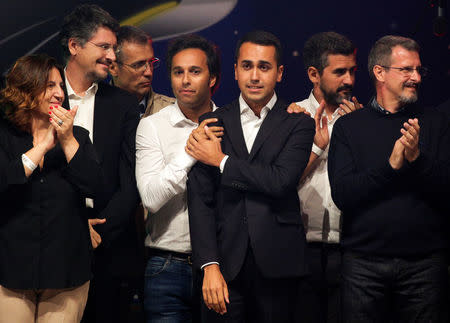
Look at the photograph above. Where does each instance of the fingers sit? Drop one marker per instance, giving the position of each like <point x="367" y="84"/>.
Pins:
<point x="217" y="131"/>
<point x="206" y="122"/>
<point x="74" y="110"/>
<point x="210" y="134"/>
<point x="318" y="115"/>
<point x="294" y="108"/>
<point x="356" y="103"/>
<point x="347" y="106"/>
<point x="96" y="221"/>
<point x="226" y="295"/>
<point x="325" y="123"/>
<point x="221" y="302"/>
<point x="63" y="118"/>
<point x="96" y="239"/>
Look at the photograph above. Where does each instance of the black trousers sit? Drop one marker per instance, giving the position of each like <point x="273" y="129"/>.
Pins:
<point x="319" y="297"/>
<point x="254" y="298"/>
<point x="389" y="289"/>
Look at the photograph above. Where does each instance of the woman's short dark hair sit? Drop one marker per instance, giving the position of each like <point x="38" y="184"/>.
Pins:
<point x="25" y="82"/>
<point x="195" y="41"/>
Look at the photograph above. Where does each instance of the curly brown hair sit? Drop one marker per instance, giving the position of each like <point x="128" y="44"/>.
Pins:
<point x="26" y="81"/>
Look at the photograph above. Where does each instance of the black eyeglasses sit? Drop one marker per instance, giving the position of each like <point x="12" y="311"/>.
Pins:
<point x="408" y="71"/>
<point x="141" y="66"/>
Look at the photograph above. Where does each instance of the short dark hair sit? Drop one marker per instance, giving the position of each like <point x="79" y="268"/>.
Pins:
<point x="130" y="34"/>
<point x="381" y="51"/>
<point x="261" y="37"/>
<point x="25" y="82"/>
<point x="320" y="45"/>
<point x="82" y="23"/>
<point x="195" y="41"/>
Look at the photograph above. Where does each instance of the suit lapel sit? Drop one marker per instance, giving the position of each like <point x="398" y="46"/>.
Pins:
<point x="272" y="121"/>
<point x="233" y="129"/>
<point x="100" y="135"/>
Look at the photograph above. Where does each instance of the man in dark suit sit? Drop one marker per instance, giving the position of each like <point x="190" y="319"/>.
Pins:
<point x="246" y="232"/>
<point x="110" y="115"/>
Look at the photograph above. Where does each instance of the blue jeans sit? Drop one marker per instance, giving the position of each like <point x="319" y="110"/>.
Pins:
<point x="389" y="289"/>
<point x="168" y="291"/>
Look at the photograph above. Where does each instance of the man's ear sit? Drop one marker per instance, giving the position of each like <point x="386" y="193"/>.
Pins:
<point x="280" y="73"/>
<point x="379" y="73"/>
<point x="74" y="46"/>
<point x="212" y="81"/>
<point x="314" y="75"/>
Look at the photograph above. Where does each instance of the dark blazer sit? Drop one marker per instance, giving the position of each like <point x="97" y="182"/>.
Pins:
<point x="44" y="234"/>
<point x="116" y="118"/>
<point x="255" y="199"/>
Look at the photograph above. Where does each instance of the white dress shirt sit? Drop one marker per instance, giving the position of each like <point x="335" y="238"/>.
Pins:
<point x="162" y="166"/>
<point x="85" y="114"/>
<point x="320" y="215"/>
<point x="250" y="123"/>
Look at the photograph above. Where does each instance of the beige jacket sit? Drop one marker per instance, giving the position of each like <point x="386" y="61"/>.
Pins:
<point x="156" y="102"/>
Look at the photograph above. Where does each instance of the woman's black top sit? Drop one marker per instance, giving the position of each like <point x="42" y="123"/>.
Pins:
<point x="44" y="233"/>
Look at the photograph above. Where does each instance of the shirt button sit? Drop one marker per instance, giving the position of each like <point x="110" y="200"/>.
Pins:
<point x="42" y="180"/>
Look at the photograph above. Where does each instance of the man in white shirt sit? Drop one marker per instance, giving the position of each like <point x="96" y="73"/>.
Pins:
<point x="162" y="166"/>
<point x="330" y="62"/>
<point x="246" y="230"/>
<point x="110" y="115"/>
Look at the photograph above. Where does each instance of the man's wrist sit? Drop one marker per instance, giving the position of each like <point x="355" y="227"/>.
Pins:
<point x="317" y="150"/>
<point x="209" y="264"/>
<point x="222" y="163"/>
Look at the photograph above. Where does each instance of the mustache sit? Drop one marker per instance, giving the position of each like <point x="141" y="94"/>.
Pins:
<point x="411" y="84"/>
<point x="345" y="87"/>
<point x="106" y="61"/>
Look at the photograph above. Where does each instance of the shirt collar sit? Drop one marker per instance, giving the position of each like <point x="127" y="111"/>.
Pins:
<point x="244" y="106"/>
<point x="70" y="92"/>
<point x="177" y="117"/>
<point x="375" y="105"/>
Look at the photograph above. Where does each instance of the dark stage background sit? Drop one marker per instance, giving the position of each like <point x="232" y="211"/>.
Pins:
<point x="29" y="26"/>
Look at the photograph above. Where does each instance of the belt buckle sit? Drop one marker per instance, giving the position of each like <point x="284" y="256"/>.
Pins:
<point x="189" y="260"/>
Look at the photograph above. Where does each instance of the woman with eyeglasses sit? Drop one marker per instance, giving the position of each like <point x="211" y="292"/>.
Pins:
<point x="47" y="170"/>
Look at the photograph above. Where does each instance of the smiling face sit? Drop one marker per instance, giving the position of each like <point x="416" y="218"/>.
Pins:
<point x="399" y="87"/>
<point x="54" y="93"/>
<point x="337" y="79"/>
<point x="257" y="73"/>
<point x="136" y="81"/>
<point x="96" y="55"/>
<point x="190" y="78"/>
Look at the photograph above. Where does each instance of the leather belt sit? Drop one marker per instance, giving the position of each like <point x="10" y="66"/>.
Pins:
<point x="186" y="257"/>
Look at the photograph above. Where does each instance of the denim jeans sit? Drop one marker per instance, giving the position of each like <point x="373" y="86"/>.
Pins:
<point x="389" y="289"/>
<point x="168" y="291"/>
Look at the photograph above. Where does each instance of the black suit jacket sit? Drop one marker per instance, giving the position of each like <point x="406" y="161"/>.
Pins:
<point x="116" y="118"/>
<point x="255" y="199"/>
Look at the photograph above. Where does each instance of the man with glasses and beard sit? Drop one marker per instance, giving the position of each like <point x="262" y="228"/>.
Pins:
<point x="88" y="39"/>
<point x="133" y="69"/>
<point x="330" y="62"/>
<point x="389" y="169"/>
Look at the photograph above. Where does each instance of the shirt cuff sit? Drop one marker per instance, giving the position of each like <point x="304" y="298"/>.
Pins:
<point x="317" y="150"/>
<point x="222" y="163"/>
<point x="209" y="263"/>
